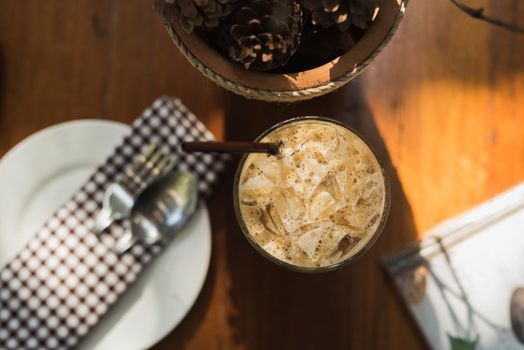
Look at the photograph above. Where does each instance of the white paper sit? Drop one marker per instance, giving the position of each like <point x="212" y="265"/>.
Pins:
<point x="471" y="266"/>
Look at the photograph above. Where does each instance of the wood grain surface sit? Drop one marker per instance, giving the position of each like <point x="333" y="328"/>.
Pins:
<point x="443" y="105"/>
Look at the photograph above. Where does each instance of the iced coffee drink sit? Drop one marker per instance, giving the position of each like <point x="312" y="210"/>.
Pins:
<point x="316" y="204"/>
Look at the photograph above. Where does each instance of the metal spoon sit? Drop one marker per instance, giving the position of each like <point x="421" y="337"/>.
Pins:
<point x="160" y="210"/>
<point x="517" y="314"/>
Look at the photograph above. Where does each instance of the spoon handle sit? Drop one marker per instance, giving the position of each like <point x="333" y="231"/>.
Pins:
<point x="124" y="242"/>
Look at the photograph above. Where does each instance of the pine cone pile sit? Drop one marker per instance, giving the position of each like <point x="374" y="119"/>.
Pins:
<point x="269" y="35"/>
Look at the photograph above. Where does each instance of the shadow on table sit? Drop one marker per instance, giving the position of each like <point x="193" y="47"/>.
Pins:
<point x="352" y="307"/>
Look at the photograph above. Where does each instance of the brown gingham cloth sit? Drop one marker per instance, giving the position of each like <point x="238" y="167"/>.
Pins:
<point x="66" y="278"/>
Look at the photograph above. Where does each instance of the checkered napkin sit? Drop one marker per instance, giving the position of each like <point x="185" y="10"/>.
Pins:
<point x="66" y="278"/>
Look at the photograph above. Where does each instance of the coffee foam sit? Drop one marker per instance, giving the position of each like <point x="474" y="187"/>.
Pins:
<point x="319" y="201"/>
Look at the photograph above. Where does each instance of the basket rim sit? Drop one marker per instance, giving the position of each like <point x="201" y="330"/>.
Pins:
<point x="293" y="94"/>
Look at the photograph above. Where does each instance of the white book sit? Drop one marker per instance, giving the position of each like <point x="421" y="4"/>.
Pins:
<point x="464" y="282"/>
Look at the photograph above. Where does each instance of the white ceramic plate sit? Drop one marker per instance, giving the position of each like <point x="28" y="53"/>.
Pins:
<point x="42" y="172"/>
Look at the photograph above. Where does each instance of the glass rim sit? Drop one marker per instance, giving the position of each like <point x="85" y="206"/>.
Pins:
<point x="306" y="269"/>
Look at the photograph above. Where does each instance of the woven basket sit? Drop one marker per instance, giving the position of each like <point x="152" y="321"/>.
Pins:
<point x="295" y="86"/>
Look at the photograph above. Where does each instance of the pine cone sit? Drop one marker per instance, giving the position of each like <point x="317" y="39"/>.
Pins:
<point x="343" y="13"/>
<point x="205" y="14"/>
<point x="262" y="34"/>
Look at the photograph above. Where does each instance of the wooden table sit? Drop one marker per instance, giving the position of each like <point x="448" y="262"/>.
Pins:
<point x="443" y="104"/>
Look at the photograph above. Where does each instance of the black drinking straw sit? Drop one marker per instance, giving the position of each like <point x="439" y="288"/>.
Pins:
<point x="231" y="147"/>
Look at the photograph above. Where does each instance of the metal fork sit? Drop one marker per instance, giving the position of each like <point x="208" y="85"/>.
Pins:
<point x="120" y="196"/>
